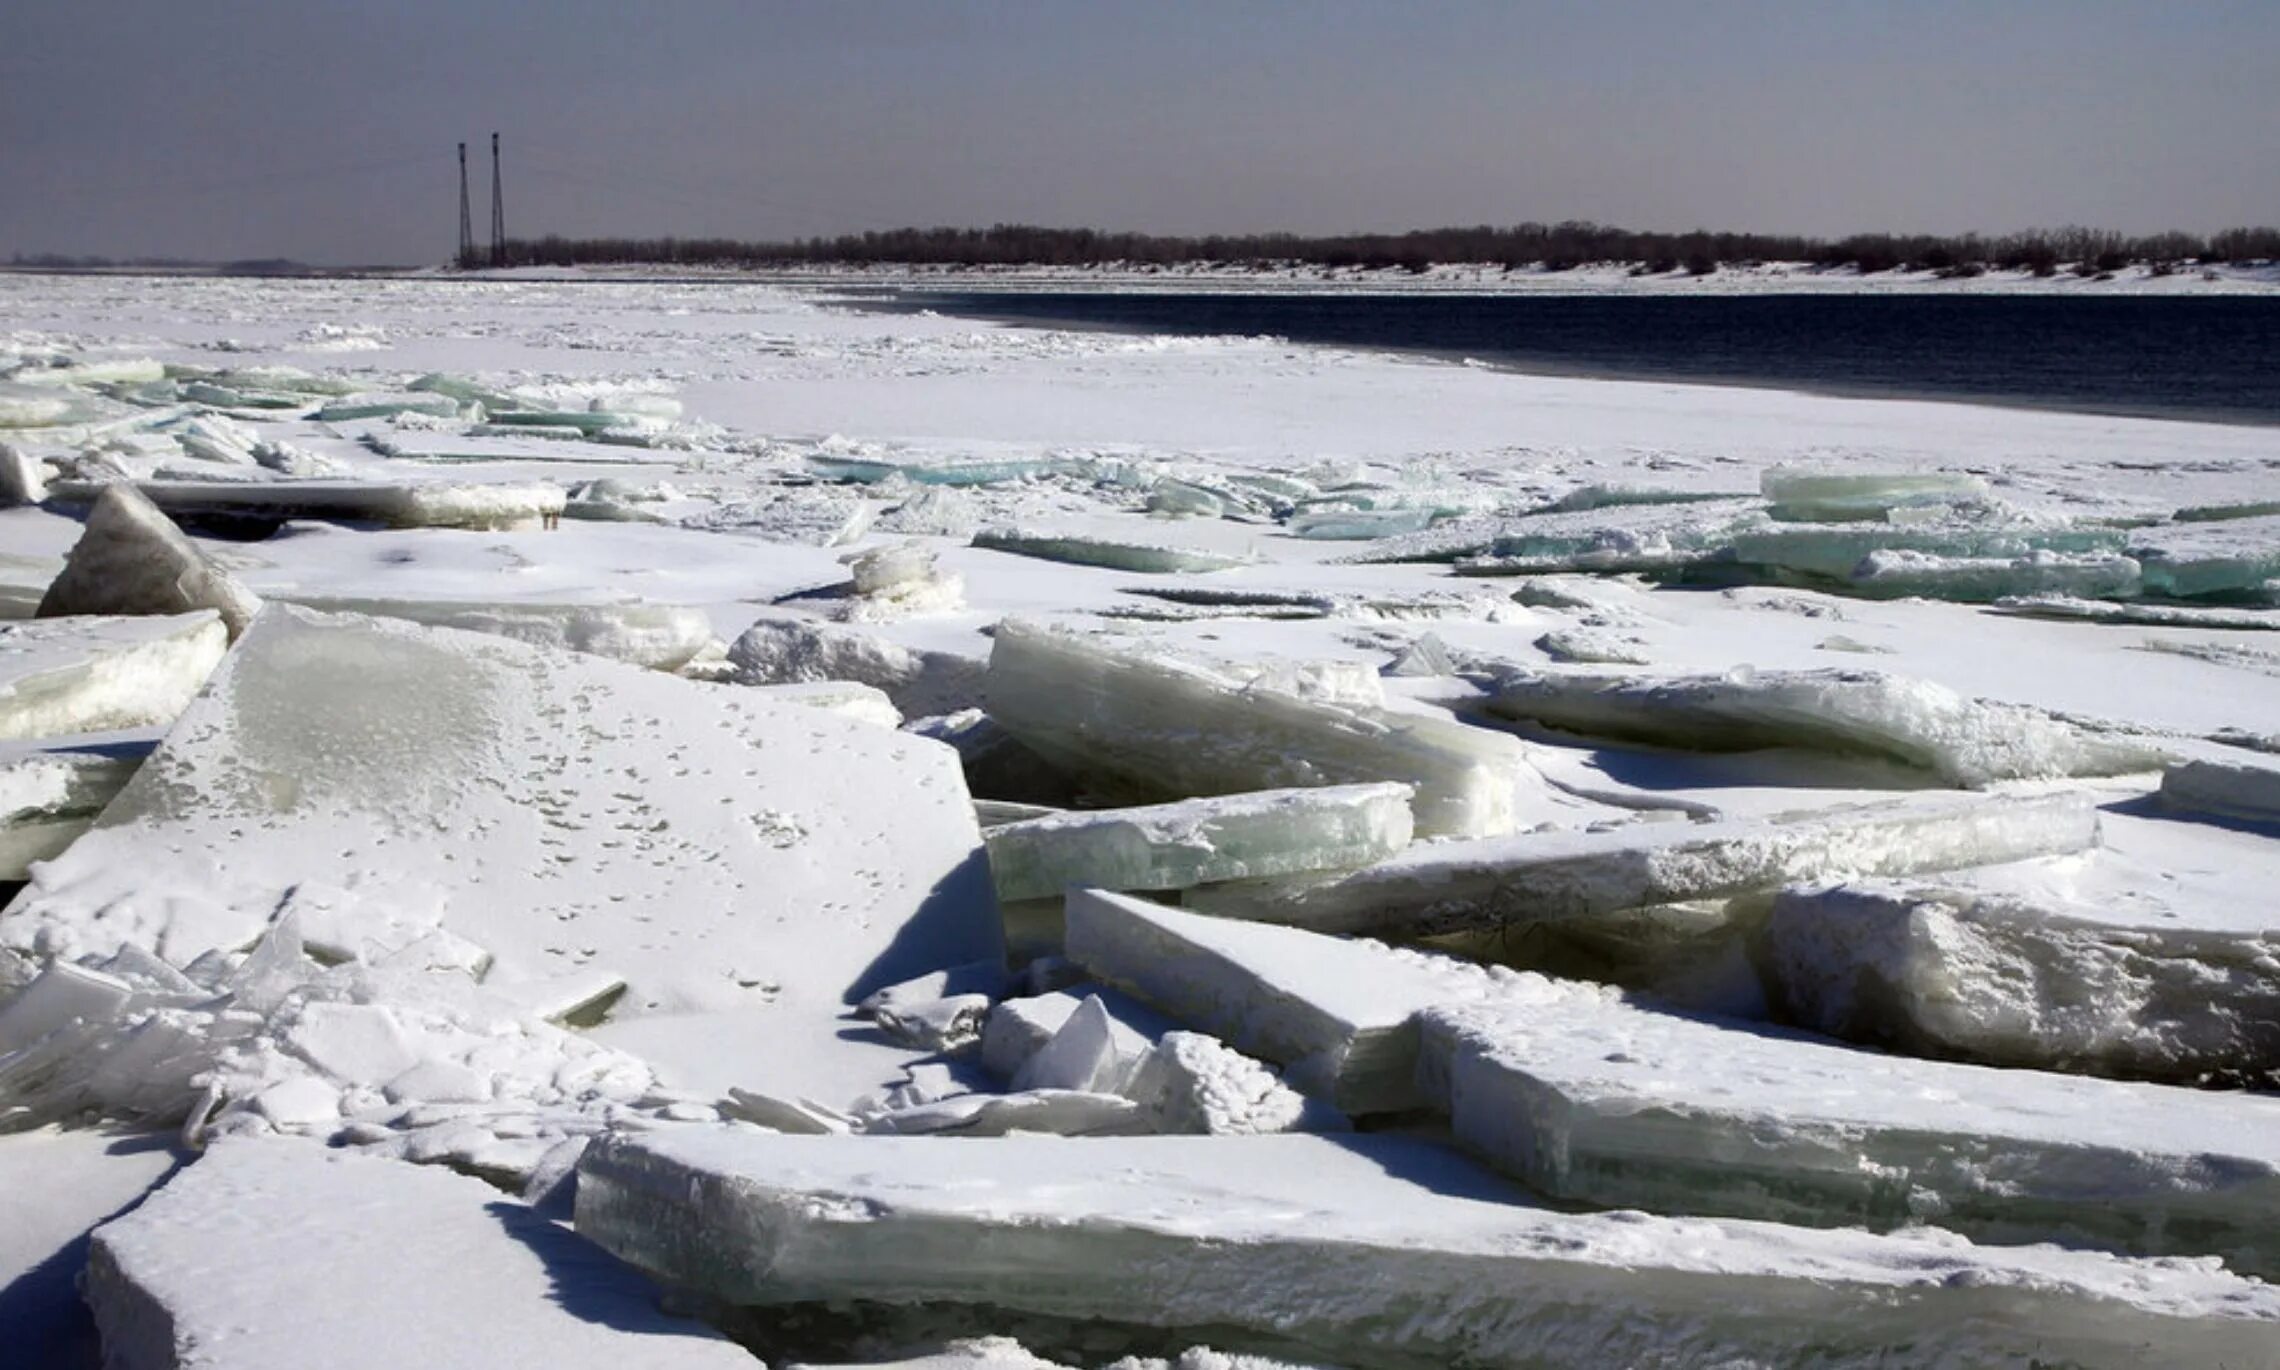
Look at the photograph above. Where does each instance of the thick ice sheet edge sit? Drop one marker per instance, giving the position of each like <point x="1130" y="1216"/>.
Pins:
<point x="1915" y="722"/>
<point x="1174" y="846"/>
<point x="2246" y="790"/>
<point x="660" y="636"/>
<point x="1372" y="1251"/>
<point x="282" y="1255"/>
<point x="86" y="674"/>
<point x="1589" y="1099"/>
<point x="1162" y="728"/>
<point x="1545" y="877"/>
<point x="1985" y="976"/>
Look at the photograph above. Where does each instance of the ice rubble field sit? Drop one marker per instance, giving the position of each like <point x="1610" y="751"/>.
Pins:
<point x="589" y="822"/>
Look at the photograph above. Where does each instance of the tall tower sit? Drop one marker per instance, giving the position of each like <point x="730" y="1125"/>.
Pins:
<point x="466" y="219"/>
<point x="498" y="210"/>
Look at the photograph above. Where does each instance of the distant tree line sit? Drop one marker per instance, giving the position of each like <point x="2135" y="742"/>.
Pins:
<point x="1551" y="247"/>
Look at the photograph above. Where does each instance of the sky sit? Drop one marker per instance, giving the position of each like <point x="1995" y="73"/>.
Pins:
<point x="325" y="131"/>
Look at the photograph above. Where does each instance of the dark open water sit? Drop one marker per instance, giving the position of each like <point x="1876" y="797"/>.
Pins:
<point x="2213" y="359"/>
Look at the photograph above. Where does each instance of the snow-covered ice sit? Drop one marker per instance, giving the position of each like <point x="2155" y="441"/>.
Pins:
<point x="266" y="1254"/>
<point x="624" y="820"/>
<point x="1408" y="1255"/>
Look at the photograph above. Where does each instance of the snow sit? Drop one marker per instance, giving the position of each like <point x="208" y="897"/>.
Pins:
<point x="198" y="1275"/>
<point x="1407" y="1252"/>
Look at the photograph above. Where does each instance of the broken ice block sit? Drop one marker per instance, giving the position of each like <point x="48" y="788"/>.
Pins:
<point x="1192" y="1083"/>
<point x="92" y="674"/>
<point x="1806" y="495"/>
<point x="348" y="407"/>
<point x="714" y="848"/>
<point x="23" y="478"/>
<point x="435" y="504"/>
<point x="2153" y="955"/>
<point x="2234" y="557"/>
<point x="2244" y="789"/>
<point x="1174" y="846"/>
<point x="1915" y="722"/>
<point x="1833" y="552"/>
<point x="660" y="636"/>
<point x="281" y="1255"/>
<point x="1982" y="580"/>
<point x="131" y="559"/>
<point x="2153" y="615"/>
<point x="899" y="580"/>
<point x="846" y="698"/>
<point x="1594" y="1100"/>
<point x="1548" y="876"/>
<point x="807" y="516"/>
<point x="1162" y="728"/>
<point x="1116" y="554"/>
<point x="1370" y="1250"/>
<point x="1019" y="1028"/>
<point x="797" y="651"/>
<point x="51" y="790"/>
<point x="1336" y="1015"/>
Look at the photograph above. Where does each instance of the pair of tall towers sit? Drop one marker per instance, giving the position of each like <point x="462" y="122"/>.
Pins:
<point x="498" y="212"/>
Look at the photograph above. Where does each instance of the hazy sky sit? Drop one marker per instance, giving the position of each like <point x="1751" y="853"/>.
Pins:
<point x="324" y="130"/>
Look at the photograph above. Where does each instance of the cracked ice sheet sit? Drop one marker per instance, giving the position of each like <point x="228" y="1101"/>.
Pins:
<point x="280" y="1255"/>
<point x="1370" y="1248"/>
<point x="563" y="812"/>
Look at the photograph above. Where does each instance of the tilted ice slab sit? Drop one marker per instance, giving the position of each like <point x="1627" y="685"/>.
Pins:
<point x="131" y="559"/>
<point x="1116" y="554"/>
<point x="1336" y="1014"/>
<point x="1804" y="494"/>
<point x="434" y="504"/>
<point x="93" y="674"/>
<point x="662" y="637"/>
<point x="1915" y="722"/>
<point x="281" y="1255"/>
<point x="2155" y="954"/>
<point x="1174" y="846"/>
<point x="1367" y="1252"/>
<point x="51" y="790"/>
<point x="1590" y="1099"/>
<point x="715" y="849"/>
<point x="1546" y="877"/>
<point x="1164" y="728"/>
